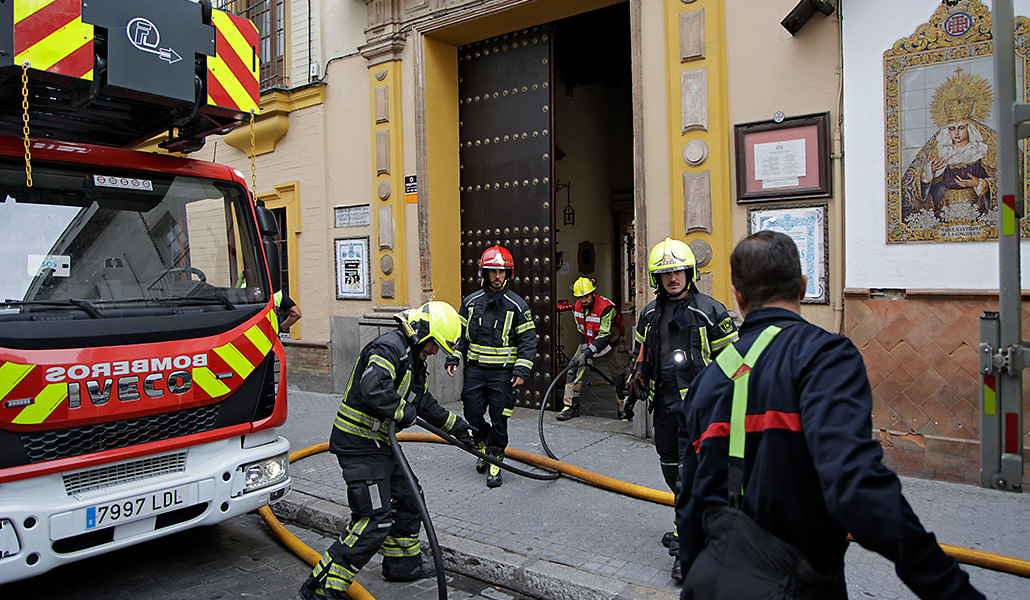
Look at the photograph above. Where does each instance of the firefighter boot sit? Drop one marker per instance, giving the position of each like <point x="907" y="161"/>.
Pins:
<point x="310" y="589"/>
<point x="424" y="570"/>
<point x="677" y="571"/>
<point x="481" y="463"/>
<point x="494" y="479"/>
<point x="570" y="412"/>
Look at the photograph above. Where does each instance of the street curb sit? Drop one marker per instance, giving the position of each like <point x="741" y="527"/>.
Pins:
<point x="524" y="574"/>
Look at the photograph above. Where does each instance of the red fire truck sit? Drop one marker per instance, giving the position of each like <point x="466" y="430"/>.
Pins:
<point x="141" y="374"/>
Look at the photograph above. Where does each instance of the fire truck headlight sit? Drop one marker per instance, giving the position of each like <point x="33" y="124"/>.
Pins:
<point x="266" y="472"/>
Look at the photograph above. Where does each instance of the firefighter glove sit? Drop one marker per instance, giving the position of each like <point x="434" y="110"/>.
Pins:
<point x="408" y="417"/>
<point x="462" y="433"/>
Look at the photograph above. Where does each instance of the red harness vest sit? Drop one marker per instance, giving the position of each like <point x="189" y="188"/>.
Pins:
<point x="590" y="322"/>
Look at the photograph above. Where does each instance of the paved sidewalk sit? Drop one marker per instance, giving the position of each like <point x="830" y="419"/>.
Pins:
<point x="565" y="539"/>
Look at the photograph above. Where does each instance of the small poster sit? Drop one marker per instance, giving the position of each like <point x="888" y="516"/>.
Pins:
<point x="410" y="189"/>
<point x="352" y="269"/>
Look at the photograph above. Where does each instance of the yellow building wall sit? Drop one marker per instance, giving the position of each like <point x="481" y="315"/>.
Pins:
<point x="388" y="159"/>
<point x="717" y="136"/>
<point x="441" y="93"/>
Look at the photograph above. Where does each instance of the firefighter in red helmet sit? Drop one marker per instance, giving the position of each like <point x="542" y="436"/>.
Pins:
<point x="498" y="343"/>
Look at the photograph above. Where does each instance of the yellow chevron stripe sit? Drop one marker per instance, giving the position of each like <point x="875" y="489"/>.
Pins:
<point x="231" y="84"/>
<point x="11" y="375"/>
<point x="58" y="45"/>
<point x="216" y="65"/>
<point x="232" y="34"/>
<point x="24" y="8"/>
<point x="209" y="383"/>
<point x="235" y="359"/>
<point x="46" y="401"/>
<point x="274" y="320"/>
<point x="259" y="339"/>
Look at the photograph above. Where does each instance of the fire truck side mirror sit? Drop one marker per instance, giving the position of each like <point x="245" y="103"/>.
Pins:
<point x="269" y="231"/>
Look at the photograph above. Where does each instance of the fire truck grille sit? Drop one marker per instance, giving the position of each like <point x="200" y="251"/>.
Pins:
<point x="75" y="441"/>
<point x="83" y="483"/>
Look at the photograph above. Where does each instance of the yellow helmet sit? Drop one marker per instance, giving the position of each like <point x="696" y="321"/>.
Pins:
<point x="671" y="255"/>
<point x="437" y="320"/>
<point x="583" y="286"/>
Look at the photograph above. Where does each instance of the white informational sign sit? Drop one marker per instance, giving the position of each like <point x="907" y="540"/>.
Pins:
<point x="780" y="164"/>
<point x="806" y="225"/>
<point x="353" y="216"/>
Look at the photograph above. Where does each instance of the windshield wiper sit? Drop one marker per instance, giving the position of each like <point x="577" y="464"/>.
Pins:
<point x="186" y="300"/>
<point x="81" y="304"/>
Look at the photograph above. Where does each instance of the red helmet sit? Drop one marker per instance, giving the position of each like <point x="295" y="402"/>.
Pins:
<point x="496" y="257"/>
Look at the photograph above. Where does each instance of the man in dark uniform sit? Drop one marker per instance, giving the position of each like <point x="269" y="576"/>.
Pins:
<point x="387" y="384"/>
<point x="778" y="461"/>
<point x="499" y="345"/>
<point x="678" y="333"/>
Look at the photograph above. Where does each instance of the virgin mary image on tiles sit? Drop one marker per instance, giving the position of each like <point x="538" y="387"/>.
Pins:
<point x="952" y="181"/>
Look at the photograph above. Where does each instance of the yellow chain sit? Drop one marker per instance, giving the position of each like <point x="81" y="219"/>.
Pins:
<point x="25" y="120"/>
<point x="253" y="153"/>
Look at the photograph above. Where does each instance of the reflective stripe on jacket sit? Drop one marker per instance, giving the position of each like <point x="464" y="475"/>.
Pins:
<point x="700" y="328"/>
<point x="497" y="332"/>
<point x="599" y="328"/>
<point x="388" y="376"/>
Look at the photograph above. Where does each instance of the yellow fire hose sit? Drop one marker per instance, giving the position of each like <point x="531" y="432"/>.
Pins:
<point x="977" y="558"/>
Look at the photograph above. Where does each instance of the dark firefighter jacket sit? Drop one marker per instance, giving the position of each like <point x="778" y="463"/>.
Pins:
<point x="388" y="379"/>
<point x="498" y="332"/>
<point x="700" y="327"/>
<point x="811" y="470"/>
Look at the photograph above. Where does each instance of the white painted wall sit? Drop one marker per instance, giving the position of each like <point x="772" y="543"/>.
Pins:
<point x="871" y="27"/>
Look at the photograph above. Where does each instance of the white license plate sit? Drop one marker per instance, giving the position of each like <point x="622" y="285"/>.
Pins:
<point x="137" y="507"/>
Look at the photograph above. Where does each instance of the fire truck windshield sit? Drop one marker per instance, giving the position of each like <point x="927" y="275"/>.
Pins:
<point x="110" y="242"/>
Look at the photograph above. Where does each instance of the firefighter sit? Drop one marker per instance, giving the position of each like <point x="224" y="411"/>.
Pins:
<point x="600" y="335"/>
<point x="388" y="383"/>
<point x="499" y="345"/>
<point x="778" y="464"/>
<point x="678" y="333"/>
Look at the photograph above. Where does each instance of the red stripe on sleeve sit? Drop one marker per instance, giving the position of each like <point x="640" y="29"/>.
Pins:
<point x="772" y="419"/>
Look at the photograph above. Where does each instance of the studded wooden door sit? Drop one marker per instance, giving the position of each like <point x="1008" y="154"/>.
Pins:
<point x="505" y="125"/>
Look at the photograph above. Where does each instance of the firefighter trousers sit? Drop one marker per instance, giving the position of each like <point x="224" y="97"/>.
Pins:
<point x="666" y="443"/>
<point x="488" y="391"/>
<point x="617" y="359"/>
<point x="384" y="514"/>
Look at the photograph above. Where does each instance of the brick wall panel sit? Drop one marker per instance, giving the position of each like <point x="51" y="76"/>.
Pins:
<point x="909" y="359"/>
<point x="926" y="329"/>
<point x="923" y="362"/>
<point x="895" y="331"/>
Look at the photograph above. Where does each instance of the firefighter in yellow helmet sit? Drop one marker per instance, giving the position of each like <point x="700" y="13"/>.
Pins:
<point x="677" y="334"/>
<point x="388" y="383"/>
<point x="600" y="335"/>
